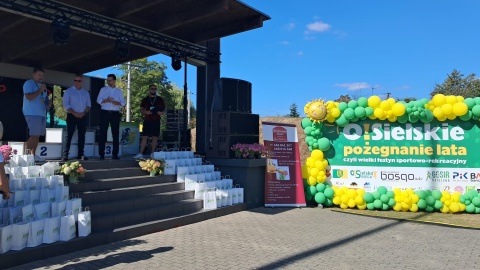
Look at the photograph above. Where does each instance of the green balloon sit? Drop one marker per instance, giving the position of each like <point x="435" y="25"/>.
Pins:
<point x="342" y="106"/>
<point x="382" y="190"/>
<point x="430" y="200"/>
<point x="466" y="116"/>
<point x="385" y="207"/>
<point x="376" y="195"/>
<point x="422" y="204"/>
<point x="328" y="202"/>
<point x="368" y="197"/>
<point x="310" y="148"/>
<point x="429" y="208"/>
<point x="308" y="197"/>
<point x="390" y="194"/>
<point x="320" y="187"/>
<point x="306" y="122"/>
<point x="320" y="197"/>
<point x="477" y="210"/>
<point x="318" y="125"/>
<point x="474" y="117"/>
<point x="437" y="195"/>
<point x="378" y="204"/>
<point x="371" y="206"/>
<point x="359" y="112"/>
<point x="391" y="202"/>
<point x="421" y="194"/>
<point x="312" y="190"/>
<point x="473" y="193"/>
<point x="462" y="199"/>
<point x="308" y="130"/>
<point x="323" y="144"/>
<point x="315" y="145"/>
<point x="403" y="119"/>
<point x="368" y="111"/>
<point x="349" y="113"/>
<point x="476" y="201"/>
<point x="352" y="104"/>
<point x="384" y="198"/>
<point x="410" y="104"/>
<point x="329" y="192"/>
<point x="468" y="202"/>
<point x="476" y="110"/>
<point x="342" y="121"/>
<point x="412" y="118"/>
<point x="418" y="103"/>
<point x="438" y="204"/>
<point x="477" y="100"/>
<point x="470" y="208"/>
<point x="362" y="102"/>
<point x="470" y="103"/>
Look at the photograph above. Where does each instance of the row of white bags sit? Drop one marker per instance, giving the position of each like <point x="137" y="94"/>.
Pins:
<point x="25" y="197"/>
<point x="172" y="164"/>
<point x="13" y="215"/>
<point x="173" y="155"/>
<point x="46" y="231"/>
<point x="191" y="181"/>
<point x="37" y="183"/>
<point x="29" y="172"/>
<point x="182" y="172"/>
<point x="214" y="198"/>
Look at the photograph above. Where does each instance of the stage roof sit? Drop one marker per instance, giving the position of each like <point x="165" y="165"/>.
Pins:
<point x="25" y="39"/>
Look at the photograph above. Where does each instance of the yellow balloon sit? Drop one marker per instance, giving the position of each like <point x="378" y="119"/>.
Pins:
<point x="447" y="109"/>
<point x="317" y="154"/>
<point x="330" y="119"/>
<point x="378" y="112"/>
<point x="460" y="99"/>
<point x="454" y="207"/>
<point x="313" y="172"/>
<point x="325" y="163"/>
<point x="460" y="109"/>
<point x="319" y="165"/>
<point x="304" y="172"/>
<point x="439" y="100"/>
<point x="451" y="100"/>
<point x="321" y="173"/>
<point x="351" y="203"/>
<point x="336" y="112"/>
<point x="360" y="191"/>
<point x="339" y="192"/>
<point x="336" y="200"/>
<point x="415" y="198"/>
<point x="398" y="109"/>
<point x="343" y="206"/>
<point x="447" y="203"/>
<point x="362" y="206"/>
<point x="391" y="101"/>
<point x="359" y="200"/>
<point x="414" y="208"/>
<point x="442" y="118"/>
<point x="392" y="118"/>
<point x="345" y="198"/>
<point x="351" y="193"/>
<point x="397" y="207"/>
<point x="385" y="105"/>
<point x="462" y="207"/>
<point x="311" y="181"/>
<point x="444" y="209"/>
<point x="374" y="101"/>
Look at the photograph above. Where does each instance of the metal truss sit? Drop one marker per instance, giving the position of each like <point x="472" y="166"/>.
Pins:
<point x="47" y="10"/>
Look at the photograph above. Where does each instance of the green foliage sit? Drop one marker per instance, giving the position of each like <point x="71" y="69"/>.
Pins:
<point x="58" y="103"/>
<point x="343" y="98"/>
<point x="293" y="111"/>
<point x="458" y="85"/>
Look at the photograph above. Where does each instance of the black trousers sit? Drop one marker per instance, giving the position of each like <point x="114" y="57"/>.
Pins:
<point x="107" y="118"/>
<point x="81" y="125"/>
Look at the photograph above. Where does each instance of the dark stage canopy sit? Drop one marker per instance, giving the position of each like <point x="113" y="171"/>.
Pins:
<point x="153" y="26"/>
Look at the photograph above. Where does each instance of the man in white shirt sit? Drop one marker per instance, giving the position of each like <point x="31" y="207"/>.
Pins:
<point x="111" y="100"/>
<point x="76" y="101"/>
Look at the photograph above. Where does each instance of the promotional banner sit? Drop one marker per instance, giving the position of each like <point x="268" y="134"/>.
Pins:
<point x="283" y="176"/>
<point x="129" y="137"/>
<point x="435" y="155"/>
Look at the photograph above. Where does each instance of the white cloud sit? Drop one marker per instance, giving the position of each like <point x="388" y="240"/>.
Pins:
<point x="289" y="26"/>
<point x="284" y="42"/>
<point x="354" y="86"/>
<point x="318" y="26"/>
<point x="300" y="53"/>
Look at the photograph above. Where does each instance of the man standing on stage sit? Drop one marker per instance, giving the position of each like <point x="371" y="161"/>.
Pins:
<point x="35" y="104"/>
<point x="111" y="100"/>
<point x="152" y="108"/>
<point x="76" y="102"/>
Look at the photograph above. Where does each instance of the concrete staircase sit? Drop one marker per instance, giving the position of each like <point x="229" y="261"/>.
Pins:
<point x="125" y="202"/>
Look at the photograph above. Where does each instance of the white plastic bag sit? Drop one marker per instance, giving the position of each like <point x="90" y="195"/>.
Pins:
<point x="35" y="234"/>
<point x="84" y="223"/>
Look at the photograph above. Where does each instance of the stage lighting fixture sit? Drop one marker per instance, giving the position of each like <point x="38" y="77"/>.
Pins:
<point x="176" y="61"/>
<point x="60" y="31"/>
<point x="122" y="48"/>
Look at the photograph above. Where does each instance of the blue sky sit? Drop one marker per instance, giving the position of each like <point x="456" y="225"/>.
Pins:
<point x="323" y="49"/>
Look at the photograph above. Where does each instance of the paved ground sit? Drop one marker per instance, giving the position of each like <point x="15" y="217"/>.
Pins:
<point x="309" y="238"/>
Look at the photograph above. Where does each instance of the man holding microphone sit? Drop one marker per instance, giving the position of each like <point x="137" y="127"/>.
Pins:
<point x="35" y="104"/>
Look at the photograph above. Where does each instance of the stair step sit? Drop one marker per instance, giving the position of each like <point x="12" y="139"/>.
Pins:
<point x="128" y="193"/>
<point x="154" y="200"/>
<point x="95" y="164"/>
<point x="93" y="175"/>
<point x="120" y="182"/>
<point x="141" y="215"/>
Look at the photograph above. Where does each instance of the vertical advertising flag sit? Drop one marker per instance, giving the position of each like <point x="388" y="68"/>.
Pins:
<point x="283" y="174"/>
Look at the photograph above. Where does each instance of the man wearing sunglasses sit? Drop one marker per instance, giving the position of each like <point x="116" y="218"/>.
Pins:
<point x="152" y="108"/>
<point x="76" y="102"/>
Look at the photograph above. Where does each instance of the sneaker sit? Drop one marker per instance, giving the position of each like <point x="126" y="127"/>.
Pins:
<point x="64" y="159"/>
<point x="82" y="158"/>
<point x="38" y="159"/>
<point x="139" y="155"/>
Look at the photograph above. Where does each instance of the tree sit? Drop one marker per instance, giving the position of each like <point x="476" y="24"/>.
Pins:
<point x="293" y="111"/>
<point x="58" y="102"/>
<point x="458" y="85"/>
<point x="343" y="98"/>
<point x="407" y="99"/>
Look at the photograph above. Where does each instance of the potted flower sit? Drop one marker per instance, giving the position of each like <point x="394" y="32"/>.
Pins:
<point x="73" y="170"/>
<point x="246" y="150"/>
<point x="152" y="166"/>
<point x="7" y="152"/>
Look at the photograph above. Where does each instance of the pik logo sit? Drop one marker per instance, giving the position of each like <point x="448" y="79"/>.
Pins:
<point x="460" y="176"/>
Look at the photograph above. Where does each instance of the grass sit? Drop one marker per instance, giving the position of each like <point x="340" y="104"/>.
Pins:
<point x="463" y="220"/>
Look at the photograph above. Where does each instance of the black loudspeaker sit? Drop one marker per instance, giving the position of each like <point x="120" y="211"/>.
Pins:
<point x="235" y="123"/>
<point x="232" y="95"/>
<point x="220" y="146"/>
<point x="11" y="115"/>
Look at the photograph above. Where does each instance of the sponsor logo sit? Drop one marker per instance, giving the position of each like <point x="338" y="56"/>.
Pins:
<point x="340" y="173"/>
<point x="460" y="176"/>
<point x="438" y="176"/>
<point x="363" y="174"/>
<point x="367" y="185"/>
<point x="475" y="177"/>
<point x="397" y="176"/>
